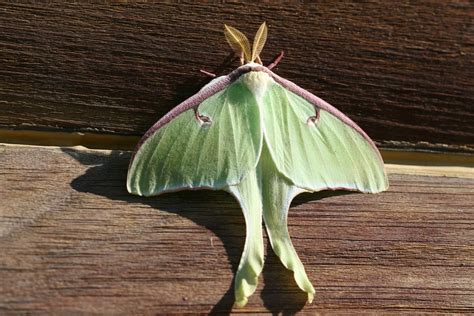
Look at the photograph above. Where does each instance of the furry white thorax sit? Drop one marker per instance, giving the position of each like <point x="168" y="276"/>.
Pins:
<point x="256" y="81"/>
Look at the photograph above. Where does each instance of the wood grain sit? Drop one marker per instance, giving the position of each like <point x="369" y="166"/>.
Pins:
<point x="72" y="240"/>
<point x="403" y="70"/>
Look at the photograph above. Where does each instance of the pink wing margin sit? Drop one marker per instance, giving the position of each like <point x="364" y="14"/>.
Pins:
<point x="224" y="81"/>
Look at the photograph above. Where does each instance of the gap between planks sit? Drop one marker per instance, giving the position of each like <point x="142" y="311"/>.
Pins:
<point x="396" y="162"/>
<point x="393" y="150"/>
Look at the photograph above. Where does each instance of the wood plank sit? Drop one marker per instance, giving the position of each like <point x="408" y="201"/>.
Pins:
<point x="402" y="70"/>
<point x="72" y="240"/>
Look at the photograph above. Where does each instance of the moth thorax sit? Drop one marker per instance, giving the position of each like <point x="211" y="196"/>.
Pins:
<point x="257" y="82"/>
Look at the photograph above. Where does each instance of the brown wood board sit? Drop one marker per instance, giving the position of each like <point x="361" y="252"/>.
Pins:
<point x="72" y="240"/>
<point x="403" y="70"/>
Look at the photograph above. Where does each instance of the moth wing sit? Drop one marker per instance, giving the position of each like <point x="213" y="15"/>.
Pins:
<point x="186" y="153"/>
<point x="333" y="153"/>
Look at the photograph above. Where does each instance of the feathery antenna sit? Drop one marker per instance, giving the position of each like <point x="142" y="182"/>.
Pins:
<point x="239" y="43"/>
<point x="259" y="41"/>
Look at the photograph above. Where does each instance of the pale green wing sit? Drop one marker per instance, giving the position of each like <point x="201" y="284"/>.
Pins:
<point x="186" y="153"/>
<point x="265" y="191"/>
<point x="248" y="194"/>
<point x="277" y="193"/>
<point x="329" y="154"/>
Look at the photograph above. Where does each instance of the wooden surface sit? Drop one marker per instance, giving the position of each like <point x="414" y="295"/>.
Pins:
<point x="72" y="240"/>
<point x="403" y="70"/>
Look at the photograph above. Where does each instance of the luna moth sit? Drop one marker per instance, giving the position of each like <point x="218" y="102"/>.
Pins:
<point x="264" y="140"/>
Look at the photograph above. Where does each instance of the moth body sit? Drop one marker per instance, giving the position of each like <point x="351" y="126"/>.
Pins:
<point x="256" y="81"/>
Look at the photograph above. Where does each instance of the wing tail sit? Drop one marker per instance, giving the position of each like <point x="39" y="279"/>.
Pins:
<point x="251" y="263"/>
<point x="276" y="225"/>
<point x="277" y="193"/>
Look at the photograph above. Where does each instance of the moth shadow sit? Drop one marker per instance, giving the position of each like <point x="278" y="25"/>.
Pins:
<point x="106" y="176"/>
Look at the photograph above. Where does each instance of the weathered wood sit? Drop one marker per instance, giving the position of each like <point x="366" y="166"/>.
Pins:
<point x="72" y="240"/>
<point x="402" y="70"/>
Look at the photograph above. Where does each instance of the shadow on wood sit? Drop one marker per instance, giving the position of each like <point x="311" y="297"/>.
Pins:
<point x="94" y="180"/>
<point x="280" y="293"/>
<point x="73" y="240"/>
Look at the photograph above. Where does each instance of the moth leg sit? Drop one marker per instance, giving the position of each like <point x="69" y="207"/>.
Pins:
<point x="276" y="60"/>
<point x="242" y="58"/>
<point x="313" y="120"/>
<point x="207" y="73"/>
<point x="258" y="60"/>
